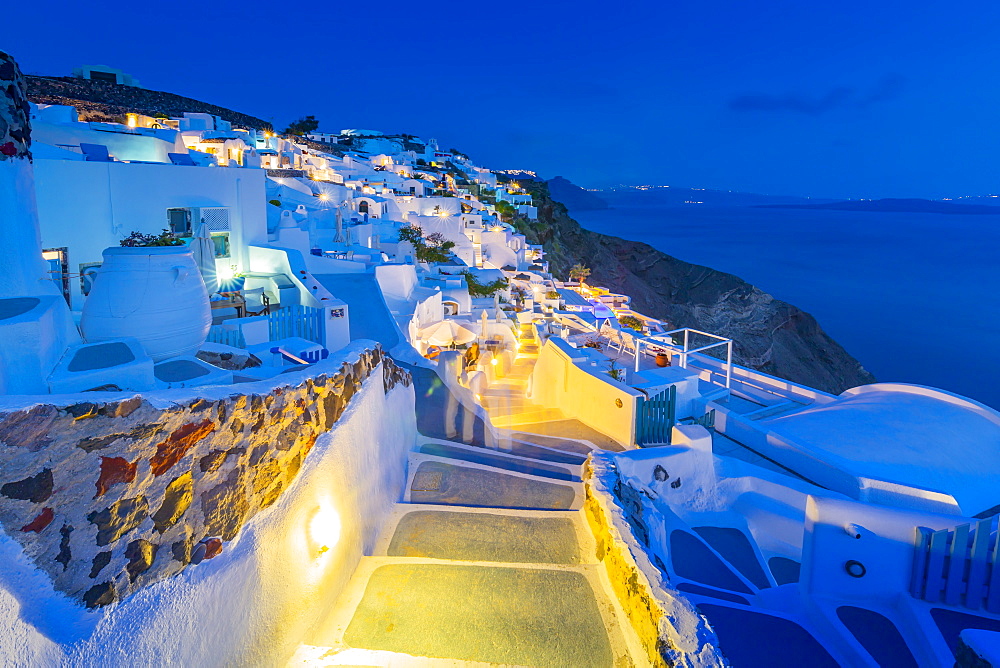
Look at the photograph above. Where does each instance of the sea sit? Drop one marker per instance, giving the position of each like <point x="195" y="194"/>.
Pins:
<point x="915" y="297"/>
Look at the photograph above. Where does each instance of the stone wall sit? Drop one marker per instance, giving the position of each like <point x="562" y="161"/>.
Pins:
<point x="671" y="630"/>
<point x="109" y="496"/>
<point x="15" y="131"/>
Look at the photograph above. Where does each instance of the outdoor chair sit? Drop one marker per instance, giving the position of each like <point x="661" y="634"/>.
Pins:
<point x="257" y="302"/>
<point x="183" y="159"/>
<point x="96" y="152"/>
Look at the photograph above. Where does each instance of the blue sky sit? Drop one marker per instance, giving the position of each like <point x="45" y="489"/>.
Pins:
<point x="845" y="99"/>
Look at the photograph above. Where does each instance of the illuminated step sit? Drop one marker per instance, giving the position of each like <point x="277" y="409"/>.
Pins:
<point x="438" y="480"/>
<point x="502" y="615"/>
<point x="507" y="461"/>
<point x="487" y="535"/>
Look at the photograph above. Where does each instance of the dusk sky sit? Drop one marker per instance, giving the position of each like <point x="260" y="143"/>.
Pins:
<point x="845" y="99"/>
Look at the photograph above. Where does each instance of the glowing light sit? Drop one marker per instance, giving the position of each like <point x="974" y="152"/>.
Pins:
<point x="132" y="120"/>
<point x="324" y="530"/>
<point x="226" y="274"/>
<point x="494" y="361"/>
<point x="323" y="197"/>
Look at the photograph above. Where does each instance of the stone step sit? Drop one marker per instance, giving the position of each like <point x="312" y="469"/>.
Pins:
<point x="507" y="615"/>
<point x="447" y="482"/>
<point x="506" y="399"/>
<point x="319" y="656"/>
<point x="580" y="447"/>
<point x="501" y="461"/>
<point x="506" y="444"/>
<point x="487" y="535"/>
<point x="520" y="414"/>
<point x="509" y="385"/>
<point x="531" y="417"/>
<point x="563" y="427"/>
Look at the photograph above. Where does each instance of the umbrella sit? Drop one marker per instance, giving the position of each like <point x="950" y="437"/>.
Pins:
<point x="203" y="250"/>
<point x="339" y="238"/>
<point x="447" y="332"/>
<point x="483" y="326"/>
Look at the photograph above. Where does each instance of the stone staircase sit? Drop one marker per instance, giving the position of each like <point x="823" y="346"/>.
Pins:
<point x="505" y="401"/>
<point x="488" y="561"/>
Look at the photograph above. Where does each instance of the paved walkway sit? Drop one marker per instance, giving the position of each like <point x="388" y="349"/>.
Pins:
<point x="369" y="316"/>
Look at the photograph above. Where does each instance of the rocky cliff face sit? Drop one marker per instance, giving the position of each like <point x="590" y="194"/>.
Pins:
<point x="768" y="334"/>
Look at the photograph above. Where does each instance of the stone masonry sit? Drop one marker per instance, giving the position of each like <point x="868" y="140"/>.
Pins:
<point x="108" y="497"/>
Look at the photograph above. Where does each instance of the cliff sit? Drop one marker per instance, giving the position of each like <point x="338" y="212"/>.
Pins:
<point x="573" y="196"/>
<point x="768" y="334"/>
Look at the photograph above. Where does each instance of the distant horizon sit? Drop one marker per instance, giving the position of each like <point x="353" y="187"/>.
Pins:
<point x="599" y="188"/>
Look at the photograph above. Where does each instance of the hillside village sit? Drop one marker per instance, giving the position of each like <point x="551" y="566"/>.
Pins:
<point x="318" y="400"/>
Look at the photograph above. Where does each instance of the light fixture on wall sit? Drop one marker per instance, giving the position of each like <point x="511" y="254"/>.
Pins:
<point x="323" y="530"/>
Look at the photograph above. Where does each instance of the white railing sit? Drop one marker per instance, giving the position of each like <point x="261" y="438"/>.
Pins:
<point x="666" y="340"/>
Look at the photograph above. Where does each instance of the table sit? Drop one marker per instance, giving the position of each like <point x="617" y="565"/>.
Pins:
<point x="236" y="301"/>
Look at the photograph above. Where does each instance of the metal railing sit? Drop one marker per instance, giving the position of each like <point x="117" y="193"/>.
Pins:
<point x="666" y="340"/>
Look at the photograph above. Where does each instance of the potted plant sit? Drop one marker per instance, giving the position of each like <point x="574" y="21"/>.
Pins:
<point x="149" y="288"/>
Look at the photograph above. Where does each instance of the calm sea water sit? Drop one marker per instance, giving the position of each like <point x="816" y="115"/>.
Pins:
<point x="914" y="297"/>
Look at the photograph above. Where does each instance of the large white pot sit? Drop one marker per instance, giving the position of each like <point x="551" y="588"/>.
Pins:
<point x="153" y="294"/>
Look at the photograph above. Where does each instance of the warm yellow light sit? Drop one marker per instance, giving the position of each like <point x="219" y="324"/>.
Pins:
<point x="132" y="120"/>
<point x="444" y="214"/>
<point x="324" y="530"/>
<point x="494" y="361"/>
<point x="323" y="197"/>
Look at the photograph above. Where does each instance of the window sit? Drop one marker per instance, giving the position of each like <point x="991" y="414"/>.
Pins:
<point x="363" y="207"/>
<point x="179" y="222"/>
<point x="110" y="77"/>
<point x="221" y="241"/>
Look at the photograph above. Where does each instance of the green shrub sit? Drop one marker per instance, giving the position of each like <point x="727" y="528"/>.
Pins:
<point x="432" y="248"/>
<point x="477" y="289"/>
<point x="164" y="238"/>
<point x="631" y="322"/>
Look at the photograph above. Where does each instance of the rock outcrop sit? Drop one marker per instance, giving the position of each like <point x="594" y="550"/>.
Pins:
<point x="768" y="334"/>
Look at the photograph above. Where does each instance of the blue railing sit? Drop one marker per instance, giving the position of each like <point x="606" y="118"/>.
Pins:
<point x="225" y="336"/>
<point x="656" y="417"/>
<point x="305" y="322"/>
